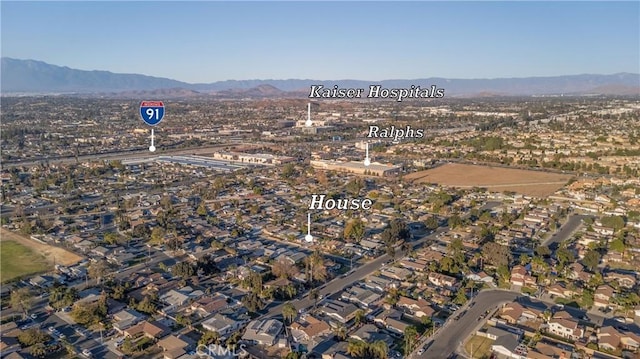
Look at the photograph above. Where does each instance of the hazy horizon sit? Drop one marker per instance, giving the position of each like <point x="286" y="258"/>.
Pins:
<point x="202" y="42"/>
<point x="319" y="79"/>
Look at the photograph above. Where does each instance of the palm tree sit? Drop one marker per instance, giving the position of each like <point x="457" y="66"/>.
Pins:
<point x="38" y="350"/>
<point x="357" y="348"/>
<point x="359" y="317"/>
<point x="410" y="336"/>
<point x="379" y="349"/>
<point x="289" y="312"/>
<point x="315" y="296"/>
<point x="22" y="299"/>
<point x="315" y="267"/>
<point x="341" y="332"/>
<point x="290" y="290"/>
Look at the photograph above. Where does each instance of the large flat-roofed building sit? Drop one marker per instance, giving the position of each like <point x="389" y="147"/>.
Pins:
<point x="357" y="167"/>
<point x="253" y="158"/>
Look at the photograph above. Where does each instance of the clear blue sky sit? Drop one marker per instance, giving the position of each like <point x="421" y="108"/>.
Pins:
<point x="210" y="41"/>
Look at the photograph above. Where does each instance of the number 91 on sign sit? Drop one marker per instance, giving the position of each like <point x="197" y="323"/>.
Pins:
<point x="152" y="112"/>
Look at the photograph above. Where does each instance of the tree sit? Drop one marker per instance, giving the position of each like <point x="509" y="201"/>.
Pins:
<point x="61" y="296"/>
<point x="88" y="314"/>
<point x="587" y="299"/>
<point x="461" y="297"/>
<point x="253" y="302"/>
<point x="496" y="254"/>
<point x="591" y="260"/>
<point x="289" y="312"/>
<point x="146" y="305"/>
<point x="288" y="171"/>
<point x="354" y="230"/>
<point x="282" y="269"/>
<point x="456" y="251"/>
<point x="525" y="259"/>
<point x="111" y="238"/>
<point x="38" y="350"/>
<point x="357" y="348"/>
<point x="564" y="256"/>
<point x="359" y="317"/>
<point x="503" y="274"/>
<point x="183" y="269"/>
<point x="596" y="280"/>
<point x="340" y="332"/>
<point x="32" y="336"/>
<point x="292" y="355"/>
<point x="615" y="222"/>
<point x="185" y="321"/>
<point x="174" y="243"/>
<point x="313" y="294"/>
<point x="202" y="209"/>
<point x="97" y="270"/>
<point x="355" y="186"/>
<point x="157" y="236"/>
<point x="379" y="349"/>
<point x="454" y="221"/>
<point x="315" y="267"/>
<point x="431" y="223"/>
<point x="410" y="338"/>
<point x="21" y="299"/>
<point x="617" y="245"/>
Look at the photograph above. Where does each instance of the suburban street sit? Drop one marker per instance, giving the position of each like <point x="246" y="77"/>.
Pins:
<point x="566" y="230"/>
<point x="450" y="336"/>
<point x="342" y="282"/>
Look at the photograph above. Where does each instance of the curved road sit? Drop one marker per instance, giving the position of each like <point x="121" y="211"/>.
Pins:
<point x="450" y="336"/>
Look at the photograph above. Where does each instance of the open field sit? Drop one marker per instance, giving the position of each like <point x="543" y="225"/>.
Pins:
<point x="497" y="179"/>
<point x="479" y="346"/>
<point x="17" y="260"/>
<point x="21" y="255"/>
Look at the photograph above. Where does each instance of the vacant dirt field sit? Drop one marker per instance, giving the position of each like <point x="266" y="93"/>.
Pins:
<point x="497" y="179"/>
<point x="50" y="253"/>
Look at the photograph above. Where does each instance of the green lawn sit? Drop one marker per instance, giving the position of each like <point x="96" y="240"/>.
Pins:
<point x="17" y="260"/>
<point x="480" y="346"/>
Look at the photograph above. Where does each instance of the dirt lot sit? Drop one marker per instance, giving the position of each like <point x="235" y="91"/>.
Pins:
<point x="497" y="179"/>
<point x="51" y="253"/>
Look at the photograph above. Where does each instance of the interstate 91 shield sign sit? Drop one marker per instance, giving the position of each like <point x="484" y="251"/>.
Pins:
<point x="152" y="112"/>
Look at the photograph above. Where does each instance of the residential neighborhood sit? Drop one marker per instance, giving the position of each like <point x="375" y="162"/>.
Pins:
<point x="199" y="250"/>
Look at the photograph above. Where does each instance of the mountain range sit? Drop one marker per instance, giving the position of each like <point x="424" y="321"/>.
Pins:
<point x="37" y="77"/>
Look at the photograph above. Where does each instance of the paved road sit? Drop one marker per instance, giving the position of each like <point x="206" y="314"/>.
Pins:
<point x="333" y="286"/>
<point x="338" y="284"/>
<point x="454" y="331"/>
<point x="131" y="153"/>
<point x="566" y="230"/>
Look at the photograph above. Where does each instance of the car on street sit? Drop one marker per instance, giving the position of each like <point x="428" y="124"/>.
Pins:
<point x="87" y="353"/>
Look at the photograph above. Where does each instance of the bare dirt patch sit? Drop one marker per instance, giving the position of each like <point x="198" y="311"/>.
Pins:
<point x="51" y="253"/>
<point x="496" y="179"/>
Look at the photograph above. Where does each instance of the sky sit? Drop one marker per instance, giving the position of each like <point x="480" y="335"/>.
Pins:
<point x="206" y="41"/>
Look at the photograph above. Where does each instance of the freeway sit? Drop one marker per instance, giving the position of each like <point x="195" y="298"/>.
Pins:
<point x="453" y="332"/>
<point x="118" y="155"/>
